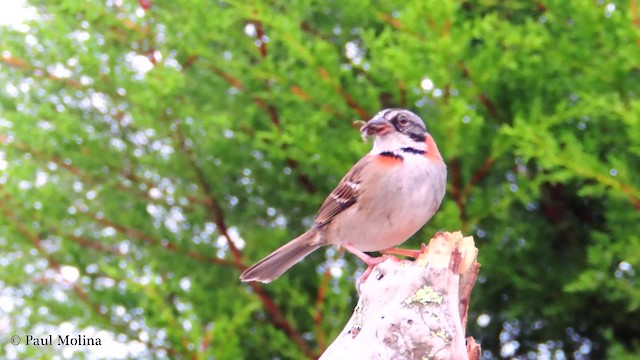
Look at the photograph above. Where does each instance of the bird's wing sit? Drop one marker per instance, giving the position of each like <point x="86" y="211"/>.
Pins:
<point x="344" y="195"/>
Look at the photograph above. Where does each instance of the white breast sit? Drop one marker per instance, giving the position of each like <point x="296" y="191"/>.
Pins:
<point x="407" y="197"/>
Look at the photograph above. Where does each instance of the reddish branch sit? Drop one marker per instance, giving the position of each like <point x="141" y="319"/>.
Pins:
<point x="324" y="74"/>
<point x="317" y="317"/>
<point x="484" y="99"/>
<point x="633" y="4"/>
<point x="21" y="64"/>
<point x="260" y="36"/>
<point x="489" y="105"/>
<point x="304" y="26"/>
<point x="540" y="6"/>
<point x="211" y="202"/>
<point x="87" y="178"/>
<point x="278" y="320"/>
<point x="456" y="192"/>
<point x="150" y="240"/>
<point x="352" y="103"/>
<point x="402" y="88"/>
<point x="478" y="175"/>
<point x="237" y="84"/>
<point x="397" y="24"/>
<point x="629" y="191"/>
<point x="304" y="96"/>
<point x="349" y="100"/>
<point x="303" y="179"/>
<point x="91" y="244"/>
<point x="460" y="193"/>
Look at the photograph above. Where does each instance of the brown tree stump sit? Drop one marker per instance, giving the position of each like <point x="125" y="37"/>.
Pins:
<point x="414" y="309"/>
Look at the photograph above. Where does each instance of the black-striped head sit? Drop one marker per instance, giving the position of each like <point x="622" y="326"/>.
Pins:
<point x="394" y="129"/>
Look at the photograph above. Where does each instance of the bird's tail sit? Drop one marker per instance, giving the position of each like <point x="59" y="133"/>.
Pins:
<point x="279" y="261"/>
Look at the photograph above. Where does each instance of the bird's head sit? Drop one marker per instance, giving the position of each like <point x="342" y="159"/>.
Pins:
<point x="395" y="129"/>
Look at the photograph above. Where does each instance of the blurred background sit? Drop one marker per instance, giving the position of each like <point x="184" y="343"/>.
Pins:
<point x="151" y="149"/>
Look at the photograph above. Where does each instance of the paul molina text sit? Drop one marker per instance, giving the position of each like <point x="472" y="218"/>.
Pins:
<point x="62" y="340"/>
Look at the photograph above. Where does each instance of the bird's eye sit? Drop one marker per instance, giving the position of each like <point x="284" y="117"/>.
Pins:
<point x="403" y="120"/>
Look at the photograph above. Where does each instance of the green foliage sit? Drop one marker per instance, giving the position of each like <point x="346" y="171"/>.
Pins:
<point x="148" y="156"/>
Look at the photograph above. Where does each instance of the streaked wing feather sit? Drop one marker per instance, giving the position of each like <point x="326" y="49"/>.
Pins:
<point x="343" y="196"/>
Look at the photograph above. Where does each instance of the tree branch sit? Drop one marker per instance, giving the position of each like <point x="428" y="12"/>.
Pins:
<point x="414" y="309"/>
<point x="478" y="175"/>
<point x="89" y="179"/>
<point x="278" y="319"/>
<point x="150" y="240"/>
<point x="456" y="192"/>
<point x="271" y="111"/>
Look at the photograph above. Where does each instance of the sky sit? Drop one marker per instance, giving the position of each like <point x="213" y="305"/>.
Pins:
<point x="14" y="12"/>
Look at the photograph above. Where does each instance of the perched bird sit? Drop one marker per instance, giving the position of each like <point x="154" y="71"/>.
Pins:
<point x="385" y="198"/>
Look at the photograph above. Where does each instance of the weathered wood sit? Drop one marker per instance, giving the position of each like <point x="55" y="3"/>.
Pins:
<point x="414" y="309"/>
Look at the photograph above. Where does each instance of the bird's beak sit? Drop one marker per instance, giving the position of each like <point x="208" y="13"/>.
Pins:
<point x="375" y="126"/>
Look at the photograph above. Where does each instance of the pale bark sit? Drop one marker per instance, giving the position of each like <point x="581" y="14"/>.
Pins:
<point x="414" y="309"/>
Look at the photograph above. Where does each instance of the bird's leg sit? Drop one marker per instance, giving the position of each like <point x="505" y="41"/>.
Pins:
<point x="405" y="252"/>
<point x="369" y="260"/>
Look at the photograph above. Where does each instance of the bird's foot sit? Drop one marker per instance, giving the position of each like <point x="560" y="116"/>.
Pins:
<point x="370" y="267"/>
<point x="371" y="262"/>
<point x="405" y="252"/>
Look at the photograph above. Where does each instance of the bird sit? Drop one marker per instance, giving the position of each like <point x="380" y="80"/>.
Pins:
<point x="386" y="197"/>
